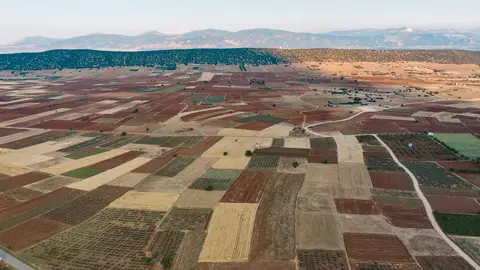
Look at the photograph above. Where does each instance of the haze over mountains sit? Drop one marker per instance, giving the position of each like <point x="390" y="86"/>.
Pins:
<point x="395" y="38"/>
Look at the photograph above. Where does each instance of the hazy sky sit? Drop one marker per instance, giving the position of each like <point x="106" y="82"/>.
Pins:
<point x="66" y="18"/>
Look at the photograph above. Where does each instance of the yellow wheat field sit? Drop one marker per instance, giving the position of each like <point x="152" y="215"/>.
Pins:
<point x="83" y="162"/>
<point x="145" y="201"/>
<point x="238" y="163"/>
<point x="322" y="173"/>
<point x="349" y="149"/>
<point x="229" y="233"/>
<point x="110" y="175"/>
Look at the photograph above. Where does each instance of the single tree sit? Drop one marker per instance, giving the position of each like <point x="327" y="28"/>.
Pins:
<point x="124" y="133"/>
<point x="295" y="164"/>
<point x="248" y="153"/>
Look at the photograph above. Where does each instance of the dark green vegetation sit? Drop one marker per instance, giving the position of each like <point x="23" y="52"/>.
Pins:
<point x="60" y="59"/>
<point x="83" y="173"/>
<point x="86" y="153"/>
<point x="459" y="224"/>
<point x="431" y="174"/>
<point x="382" y="164"/>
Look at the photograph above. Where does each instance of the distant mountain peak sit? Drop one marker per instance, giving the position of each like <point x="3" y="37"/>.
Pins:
<point x="406" y="29"/>
<point x="153" y="33"/>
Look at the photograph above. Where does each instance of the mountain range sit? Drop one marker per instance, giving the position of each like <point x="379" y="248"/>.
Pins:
<point x="393" y="38"/>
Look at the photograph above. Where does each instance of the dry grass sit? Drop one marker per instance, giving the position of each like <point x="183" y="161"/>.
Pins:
<point x="276" y="131"/>
<point x="285" y="165"/>
<point x="145" y="201"/>
<point x="238" y="163"/>
<point x="336" y="191"/>
<point x="297" y="143"/>
<point x="365" y="224"/>
<point x="354" y="175"/>
<point x="349" y="149"/>
<point x="229" y="233"/>
<point x="235" y="146"/>
<point x="322" y="173"/>
<point x="155" y="183"/>
<point x="13" y="170"/>
<point x="197" y="168"/>
<point x="129" y="179"/>
<point x="318" y="231"/>
<point x="424" y="242"/>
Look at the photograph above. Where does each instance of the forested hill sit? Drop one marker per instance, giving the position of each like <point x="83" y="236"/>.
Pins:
<point x="60" y="59"/>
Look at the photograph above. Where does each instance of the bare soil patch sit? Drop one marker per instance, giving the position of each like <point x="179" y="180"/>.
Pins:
<point x="116" y="161"/>
<point x="52" y="183"/>
<point x="21" y="180"/>
<point x="193" y="198"/>
<point x="247" y="188"/>
<point x="454" y="204"/>
<point x="186" y="219"/>
<point x="318" y="231"/>
<point x="365" y="224"/>
<point x="441" y="262"/>
<point x="357" y="207"/>
<point x="391" y="180"/>
<point x="280" y="265"/>
<point x="189" y="250"/>
<point x="24" y="194"/>
<point x="402" y="216"/>
<point x="155" y="183"/>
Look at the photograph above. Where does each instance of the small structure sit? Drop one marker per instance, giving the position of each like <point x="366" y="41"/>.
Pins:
<point x="257" y="146"/>
<point x="410" y="145"/>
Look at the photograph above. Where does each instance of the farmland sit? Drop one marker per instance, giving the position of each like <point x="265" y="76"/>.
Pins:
<point x="205" y="167"/>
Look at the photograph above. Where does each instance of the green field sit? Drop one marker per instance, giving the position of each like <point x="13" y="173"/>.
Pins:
<point x="153" y="140"/>
<point x="86" y="153"/>
<point x="83" y="173"/>
<point x="261" y="118"/>
<point x="214" y="99"/>
<point x="170" y="89"/>
<point x="466" y="144"/>
<point x="459" y="224"/>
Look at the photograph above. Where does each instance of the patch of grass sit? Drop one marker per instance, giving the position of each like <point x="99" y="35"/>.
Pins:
<point x="214" y="99"/>
<point x="83" y="173"/>
<point x="208" y="187"/>
<point x="459" y="224"/>
<point x="171" y="89"/>
<point x="153" y="140"/>
<point x="86" y="153"/>
<point x="261" y="118"/>
<point x="465" y="144"/>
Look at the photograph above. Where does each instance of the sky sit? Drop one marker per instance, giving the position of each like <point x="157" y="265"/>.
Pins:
<point x="63" y="19"/>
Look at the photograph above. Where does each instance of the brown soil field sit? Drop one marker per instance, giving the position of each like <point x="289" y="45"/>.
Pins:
<point x="254" y="125"/>
<point x="318" y="231"/>
<point x="454" y="205"/>
<point x="129" y="180"/>
<point x="381" y="154"/>
<point x="86" y="206"/>
<point x="353" y="175"/>
<point x="285" y="165"/>
<point x="321" y="259"/>
<point x="422" y="242"/>
<point x="401" y="216"/>
<point x="22" y="212"/>
<point x="7" y="201"/>
<point x="9" y="131"/>
<point x="411" y="203"/>
<point x="21" y="180"/>
<point x="391" y="180"/>
<point x="116" y="161"/>
<point x="23" y="194"/>
<point x="155" y="183"/>
<point x="273" y="236"/>
<point x="106" y="250"/>
<point x="30" y="140"/>
<point x="376" y="248"/>
<point x="63" y="124"/>
<point x="472" y="178"/>
<point x="323" y="143"/>
<point x="30" y="233"/>
<point x="186" y="219"/>
<point x="247" y="188"/>
<point x="201" y="147"/>
<point x="458" y="165"/>
<point x="189" y="250"/>
<point x="157" y="163"/>
<point x="355" y="265"/>
<point x="357" y="207"/>
<point x="327" y="159"/>
<point x="443" y="262"/>
<point x="192" y="198"/>
<point x="282" y="152"/>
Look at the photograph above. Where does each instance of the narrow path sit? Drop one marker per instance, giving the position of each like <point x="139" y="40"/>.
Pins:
<point x="429" y="210"/>
<point x="14" y="262"/>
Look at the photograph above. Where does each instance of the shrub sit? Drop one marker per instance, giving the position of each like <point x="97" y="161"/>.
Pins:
<point x="209" y="188"/>
<point x="124" y="133"/>
<point x="452" y="169"/>
<point x="135" y="111"/>
<point x="248" y="153"/>
<point x="174" y="155"/>
<point x="167" y="261"/>
<point x="225" y="153"/>
<point x="325" y="161"/>
<point x="295" y="164"/>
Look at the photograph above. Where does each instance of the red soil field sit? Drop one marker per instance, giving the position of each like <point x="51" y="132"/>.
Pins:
<point x="191" y="108"/>
<point x="295" y="121"/>
<point x="391" y="180"/>
<point x="279" y="265"/>
<point x="357" y="207"/>
<point x="22" y="207"/>
<point x="322" y="152"/>
<point x="261" y="106"/>
<point x="238" y="108"/>
<point x="254" y="125"/>
<point x="282" y="152"/>
<point x="145" y="119"/>
<point x="201" y="147"/>
<point x="443" y="262"/>
<point x="158" y="162"/>
<point x="9" y="131"/>
<point x="457" y="165"/>
<point x="63" y="124"/>
<point x="376" y="248"/>
<point x="29" y="140"/>
<point x="116" y="161"/>
<point x="7" y="201"/>
<point x="172" y="109"/>
<point x="247" y="188"/>
<point x="30" y="233"/>
<point x="402" y="216"/>
<point x="107" y="126"/>
<point x="473" y="178"/>
<point x="232" y="98"/>
<point x="454" y="204"/>
<point x="21" y="180"/>
<point x="189" y="117"/>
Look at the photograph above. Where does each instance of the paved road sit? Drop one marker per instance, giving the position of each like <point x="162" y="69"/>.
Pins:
<point x="14" y="262"/>
<point x="429" y="210"/>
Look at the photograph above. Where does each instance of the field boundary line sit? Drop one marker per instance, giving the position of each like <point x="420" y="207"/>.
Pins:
<point x="429" y="209"/>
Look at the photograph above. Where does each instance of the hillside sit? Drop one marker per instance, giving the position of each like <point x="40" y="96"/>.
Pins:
<point x="60" y="59"/>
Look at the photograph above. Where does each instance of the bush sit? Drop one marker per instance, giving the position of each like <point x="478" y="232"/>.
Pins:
<point x="135" y="111"/>
<point x="295" y="164"/>
<point x="124" y="133"/>
<point x="167" y="261"/>
<point x="452" y="169"/>
<point x="325" y="161"/>
<point x="209" y="188"/>
<point x="174" y="155"/>
<point x="225" y="153"/>
<point x="248" y="153"/>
